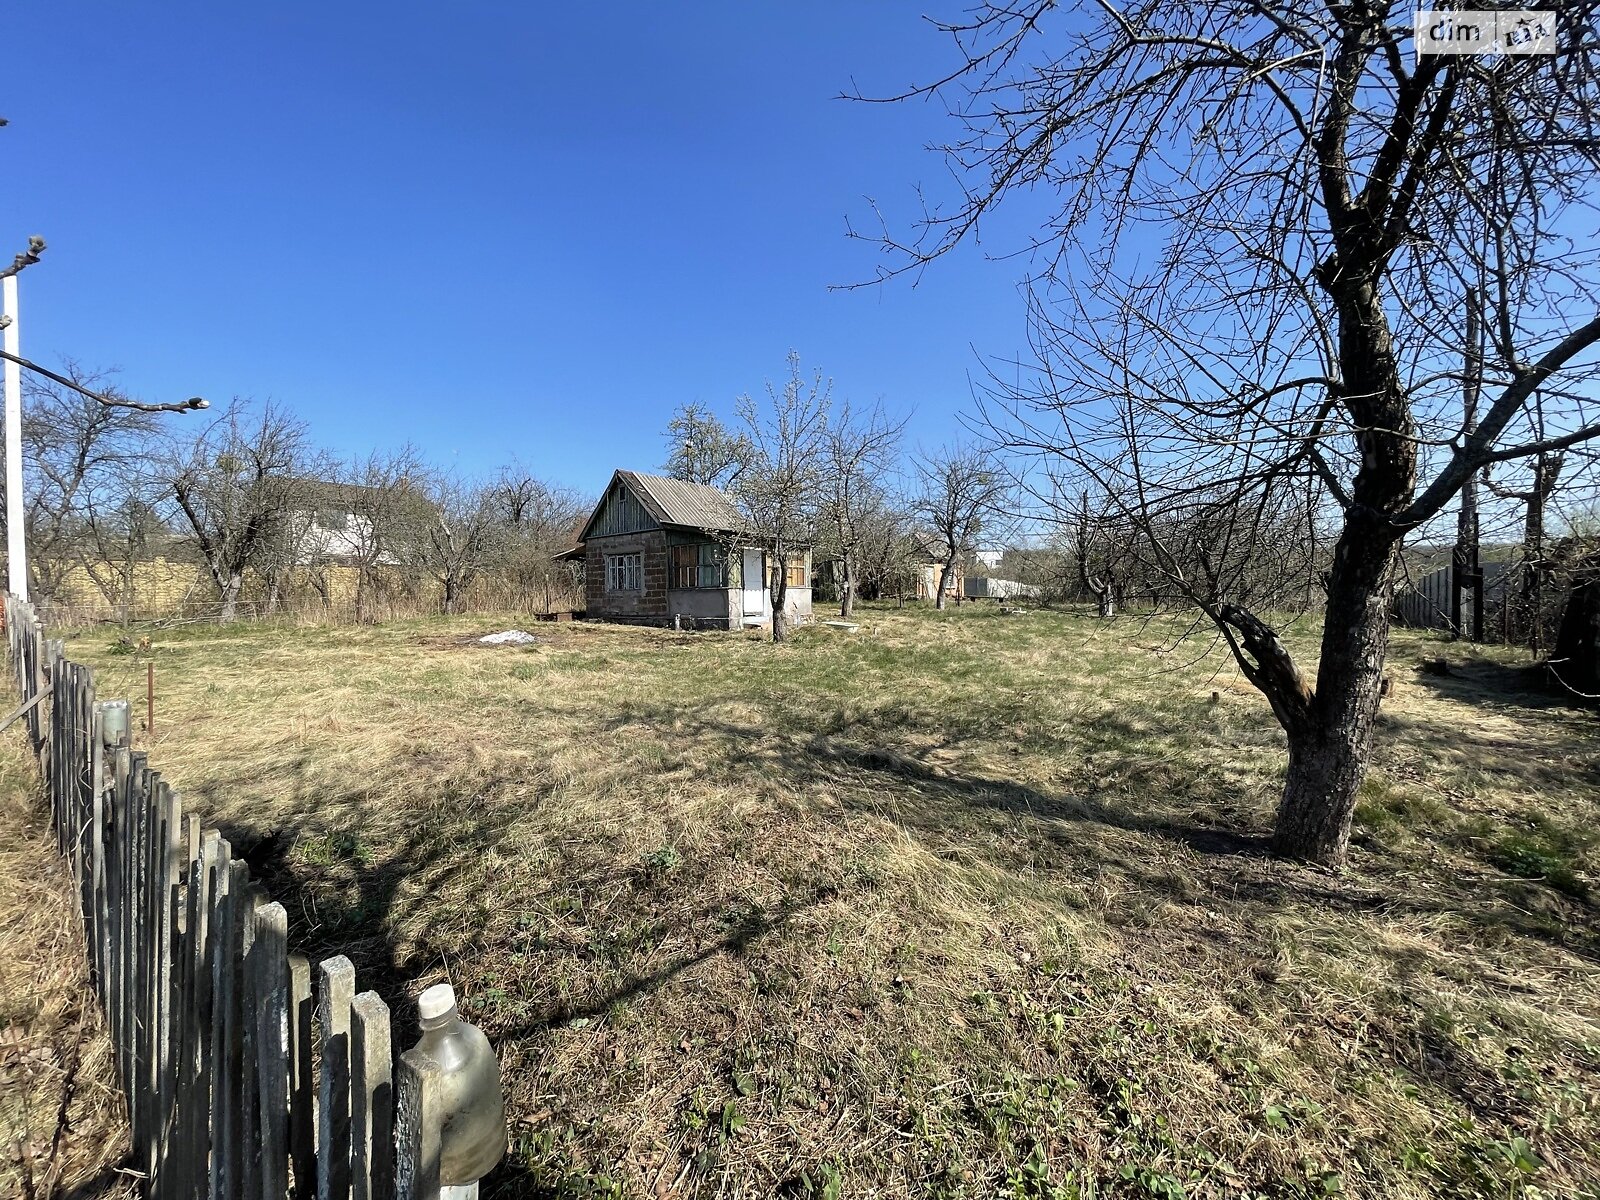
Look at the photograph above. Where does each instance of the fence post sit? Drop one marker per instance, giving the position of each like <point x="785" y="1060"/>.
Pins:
<point x="228" y="1147"/>
<point x="165" y="944"/>
<point x="97" y="861"/>
<point x="417" y="1121"/>
<point x="247" y="1133"/>
<point x="271" y="985"/>
<point x="336" y="987"/>
<point x="371" y="1100"/>
<point x="215" y="1063"/>
<point x="302" y="1092"/>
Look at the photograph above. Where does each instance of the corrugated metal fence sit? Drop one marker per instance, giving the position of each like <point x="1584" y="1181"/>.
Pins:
<point x="1425" y="604"/>
<point x="247" y="1074"/>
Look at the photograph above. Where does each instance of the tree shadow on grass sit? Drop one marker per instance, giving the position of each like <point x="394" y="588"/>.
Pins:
<point x="1479" y="680"/>
<point x="737" y="942"/>
<point x="341" y="892"/>
<point x="954" y="813"/>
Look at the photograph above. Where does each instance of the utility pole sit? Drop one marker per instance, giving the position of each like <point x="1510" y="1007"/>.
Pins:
<point x="1465" y="569"/>
<point x="16" y="547"/>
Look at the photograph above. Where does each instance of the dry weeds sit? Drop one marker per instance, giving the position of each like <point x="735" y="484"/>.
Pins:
<point x="62" y="1130"/>
<point x="961" y="905"/>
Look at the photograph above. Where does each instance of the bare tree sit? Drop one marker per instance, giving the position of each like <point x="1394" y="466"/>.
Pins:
<point x="1292" y="349"/>
<point x="858" y="451"/>
<point x="1533" y="568"/>
<point x="888" y="552"/>
<point x="371" y="513"/>
<point x="701" y="449"/>
<point x="461" y="536"/>
<point x="121" y="529"/>
<point x="79" y="456"/>
<point x="778" y="490"/>
<point x="537" y="520"/>
<point x="962" y="493"/>
<point x="235" y="488"/>
<point x="1095" y="554"/>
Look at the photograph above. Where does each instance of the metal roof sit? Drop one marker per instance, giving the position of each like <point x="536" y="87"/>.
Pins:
<point x="677" y="502"/>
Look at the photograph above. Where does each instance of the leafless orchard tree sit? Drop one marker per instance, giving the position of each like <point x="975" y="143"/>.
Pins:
<point x="1251" y="295"/>
<point x="120" y="530"/>
<point x="461" y="536"/>
<point x="234" y="486"/>
<point x="778" y="491"/>
<point x="887" y="553"/>
<point x="859" y="452"/>
<point x="1097" y="555"/>
<point x="81" y="458"/>
<point x="701" y="449"/>
<point x="537" y="520"/>
<point x="384" y="513"/>
<point x="962" y="492"/>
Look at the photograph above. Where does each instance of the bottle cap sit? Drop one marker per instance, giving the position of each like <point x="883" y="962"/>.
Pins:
<point x="436" y="1001"/>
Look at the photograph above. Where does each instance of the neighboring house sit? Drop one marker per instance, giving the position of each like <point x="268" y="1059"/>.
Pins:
<point x="658" y="551"/>
<point x="988" y="559"/>
<point x="333" y="522"/>
<point x="928" y="565"/>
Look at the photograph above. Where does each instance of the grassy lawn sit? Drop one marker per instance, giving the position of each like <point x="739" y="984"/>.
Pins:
<point x="961" y="905"/>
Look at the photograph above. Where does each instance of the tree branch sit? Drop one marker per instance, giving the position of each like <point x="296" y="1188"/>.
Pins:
<point x="193" y="404"/>
<point x="1476" y="453"/>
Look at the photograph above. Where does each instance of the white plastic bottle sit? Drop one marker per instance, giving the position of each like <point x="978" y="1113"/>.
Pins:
<point x="473" y="1137"/>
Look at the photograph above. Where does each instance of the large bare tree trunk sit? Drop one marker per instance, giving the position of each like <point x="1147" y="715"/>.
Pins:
<point x="1327" y="763"/>
<point x="1546" y="470"/>
<point x="779" y="594"/>
<point x="1330" y="734"/>
<point x="847" y="588"/>
<point x="946" y="574"/>
<point x="1330" y="738"/>
<point x="231" y="588"/>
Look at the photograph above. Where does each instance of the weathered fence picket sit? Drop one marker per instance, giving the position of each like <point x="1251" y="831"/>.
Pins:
<point x="237" y="1088"/>
<point x="302" y="1082"/>
<point x="371" y="1099"/>
<point x="336" y="988"/>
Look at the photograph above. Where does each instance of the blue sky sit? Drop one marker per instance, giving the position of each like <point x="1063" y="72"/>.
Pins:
<point x="498" y="232"/>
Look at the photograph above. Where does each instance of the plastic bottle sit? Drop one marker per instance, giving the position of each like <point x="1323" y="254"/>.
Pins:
<point x="473" y="1137"/>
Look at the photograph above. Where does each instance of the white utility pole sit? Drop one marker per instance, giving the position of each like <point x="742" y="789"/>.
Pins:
<point x="16" y="548"/>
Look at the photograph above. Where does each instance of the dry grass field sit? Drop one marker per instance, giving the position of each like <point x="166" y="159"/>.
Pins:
<point x="960" y="905"/>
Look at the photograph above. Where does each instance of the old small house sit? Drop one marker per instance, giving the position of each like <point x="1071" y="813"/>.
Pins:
<point x="660" y="551"/>
<point x="927" y="567"/>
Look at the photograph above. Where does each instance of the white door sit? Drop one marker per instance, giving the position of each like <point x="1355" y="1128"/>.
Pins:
<point x="755" y="589"/>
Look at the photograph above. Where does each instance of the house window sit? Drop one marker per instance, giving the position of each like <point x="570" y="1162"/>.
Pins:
<point x="333" y="520"/>
<point x="795" y="571"/>
<point x="697" y="566"/>
<point x="624" y="573"/>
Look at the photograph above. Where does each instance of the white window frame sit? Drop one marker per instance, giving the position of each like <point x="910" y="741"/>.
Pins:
<point x="624" y="572"/>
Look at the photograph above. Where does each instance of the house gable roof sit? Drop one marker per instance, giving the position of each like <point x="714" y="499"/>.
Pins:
<point x="673" y="502"/>
<point x="689" y="505"/>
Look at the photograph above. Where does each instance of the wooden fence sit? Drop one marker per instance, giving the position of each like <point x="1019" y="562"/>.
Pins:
<point x="248" y="1073"/>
